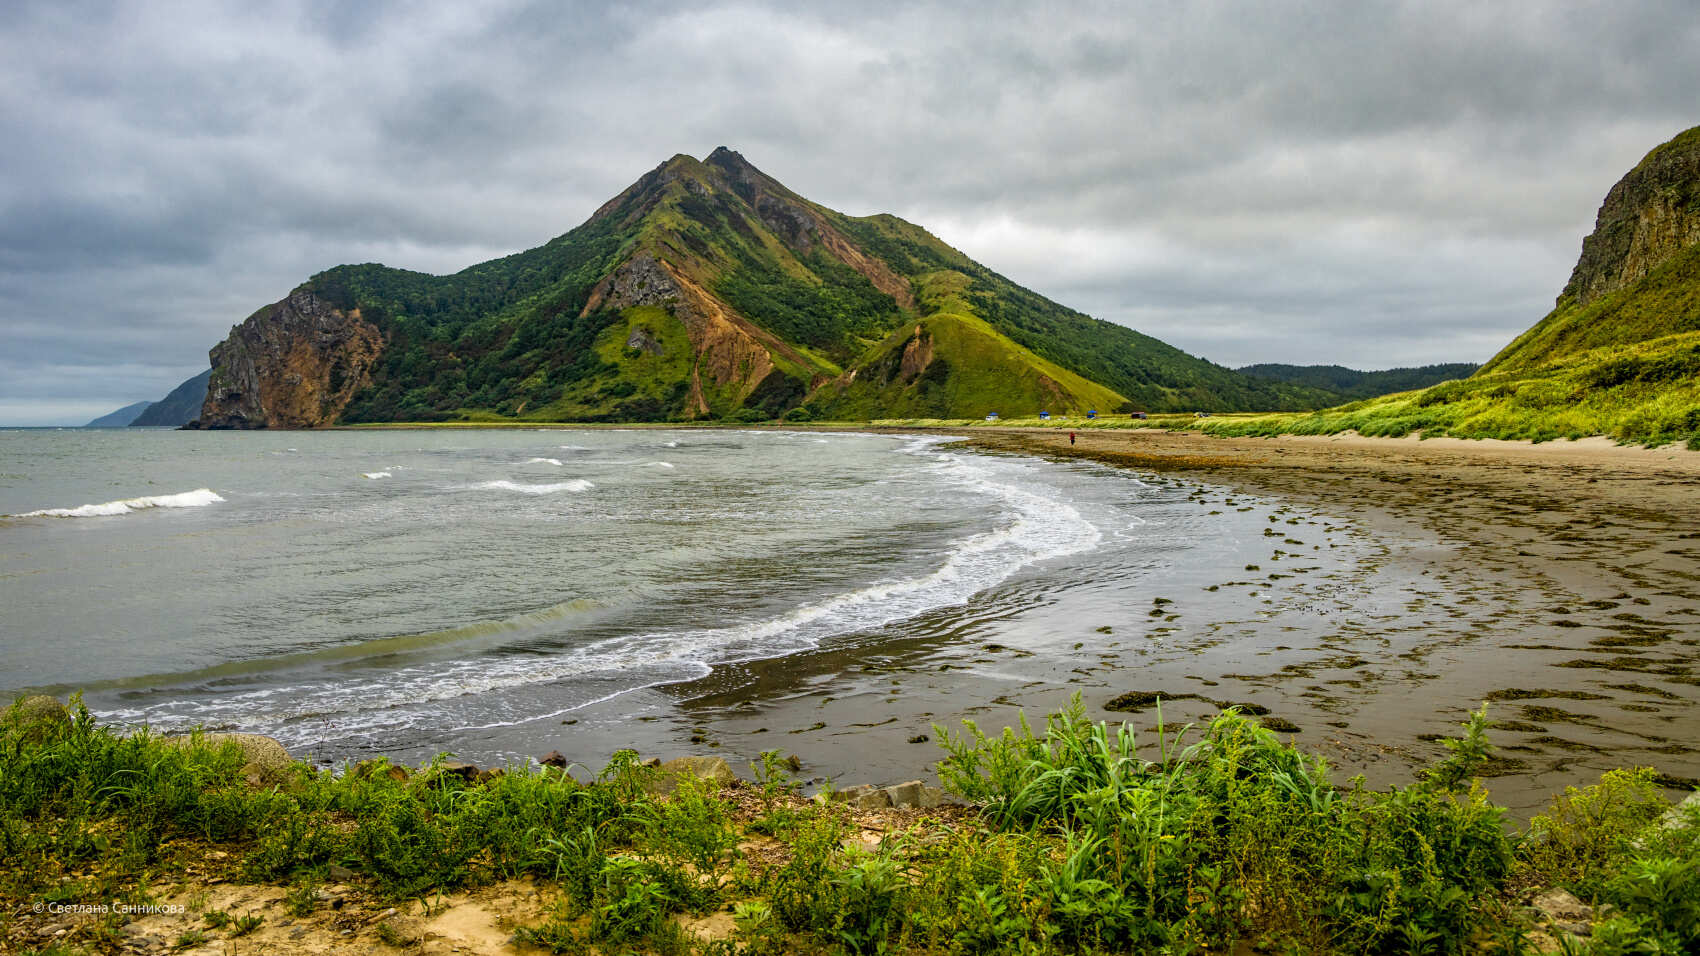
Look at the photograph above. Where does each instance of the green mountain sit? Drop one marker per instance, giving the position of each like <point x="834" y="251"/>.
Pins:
<point x="1619" y="354"/>
<point x="706" y="290"/>
<point x="121" y="417"/>
<point x="179" y="407"/>
<point x="1352" y="384"/>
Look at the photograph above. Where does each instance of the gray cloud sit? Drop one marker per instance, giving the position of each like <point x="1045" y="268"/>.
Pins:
<point x="1364" y="183"/>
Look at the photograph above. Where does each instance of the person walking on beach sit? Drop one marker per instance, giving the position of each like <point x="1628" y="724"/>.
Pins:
<point x="1071" y="438"/>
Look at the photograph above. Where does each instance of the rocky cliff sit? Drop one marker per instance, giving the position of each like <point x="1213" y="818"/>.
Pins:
<point x="292" y="364"/>
<point x="1650" y="215"/>
<point x="1638" y="278"/>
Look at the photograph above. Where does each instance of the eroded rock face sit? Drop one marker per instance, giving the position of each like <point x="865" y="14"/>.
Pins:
<point x="1651" y="214"/>
<point x="642" y="340"/>
<point x="917" y="355"/>
<point x="733" y="355"/>
<point x="293" y="364"/>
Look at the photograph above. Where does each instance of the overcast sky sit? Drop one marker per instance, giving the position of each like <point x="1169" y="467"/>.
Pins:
<point x="1367" y="184"/>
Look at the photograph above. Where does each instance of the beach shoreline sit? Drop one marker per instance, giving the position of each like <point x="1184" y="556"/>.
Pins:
<point x="1551" y="580"/>
<point x="1410" y="581"/>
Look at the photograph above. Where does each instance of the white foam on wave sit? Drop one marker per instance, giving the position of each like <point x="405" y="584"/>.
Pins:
<point x="374" y="474"/>
<point x="199" y="498"/>
<point x="573" y="447"/>
<point x="544" y="461"/>
<point x="670" y="444"/>
<point x="1035" y="528"/>
<point x="658" y="464"/>
<point x="545" y="488"/>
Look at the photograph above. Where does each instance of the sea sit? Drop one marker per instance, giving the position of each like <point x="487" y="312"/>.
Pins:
<point x="412" y="591"/>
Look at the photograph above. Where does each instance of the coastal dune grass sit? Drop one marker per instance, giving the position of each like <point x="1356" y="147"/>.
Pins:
<point x="1085" y="839"/>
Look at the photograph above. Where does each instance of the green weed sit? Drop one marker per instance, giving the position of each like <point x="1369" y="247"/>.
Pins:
<point x="1089" y="839"/>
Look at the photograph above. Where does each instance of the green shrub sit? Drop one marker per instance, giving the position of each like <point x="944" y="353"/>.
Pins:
<point x="799" y="890"/>
<point x="1575" y="843"/>
<point x="867" y="889"/>
<point x="692" y="827"/>
<point x="1090" y="840"/>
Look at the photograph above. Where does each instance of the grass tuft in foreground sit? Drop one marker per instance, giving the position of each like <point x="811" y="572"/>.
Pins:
<point x="1083" y="843"/>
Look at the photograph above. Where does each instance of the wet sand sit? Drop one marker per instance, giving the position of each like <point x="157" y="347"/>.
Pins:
<point x="1560" y="582"/>
<point x="1567" y="592"/>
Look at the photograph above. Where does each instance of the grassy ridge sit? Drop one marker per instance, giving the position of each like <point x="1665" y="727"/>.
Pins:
<point x="1646" y="393"/>
<point x="1083" y="844"/>
<point x="1626" y="365"/>
<point x="1152" y="375"/>
<point x="1665" y="302"/>
<point x="970" y="370"/>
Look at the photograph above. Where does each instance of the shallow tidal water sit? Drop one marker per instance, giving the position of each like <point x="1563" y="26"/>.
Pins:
<point x="480" y="592"/>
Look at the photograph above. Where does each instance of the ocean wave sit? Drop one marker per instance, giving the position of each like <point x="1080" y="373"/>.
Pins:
<point x="546" y="488"/>
<point x="544" y="461"/>
<point x="341" y="654"/>
<point x="1033" y="527"/>
<point x="374" y="474"/>
<point x="658" y="464"/>
<point x="573" y="447"/>
<point x="199" y="498"/>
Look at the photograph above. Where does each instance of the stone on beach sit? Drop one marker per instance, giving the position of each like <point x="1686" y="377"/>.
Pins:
<point x="911" y="795"/>
<point x="367" y="768"/>
<point x="710" y="769"/>
<point x="267" y="761"/>
<point x="39" y="716"/>
<point x="458" y="768"/>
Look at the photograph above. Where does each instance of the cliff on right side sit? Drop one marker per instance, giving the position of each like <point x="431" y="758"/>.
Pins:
<point x="1639" y="276"/>
<point x="1618" y="356"/>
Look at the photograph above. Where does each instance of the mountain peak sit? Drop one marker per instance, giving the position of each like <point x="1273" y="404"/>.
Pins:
<point x="680" y="161"/>
<point x="727" y="157"/>
<point x="737" y="169"/>
<point x="705" y="289"/>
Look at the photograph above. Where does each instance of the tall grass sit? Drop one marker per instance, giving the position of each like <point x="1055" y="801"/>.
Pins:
<point x="1207" y="841"/>
<point x="1087" y="839"/>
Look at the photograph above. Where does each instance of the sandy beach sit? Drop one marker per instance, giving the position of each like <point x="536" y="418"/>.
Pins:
<point x="1558" y="582"/>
